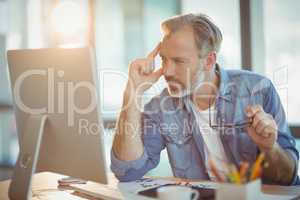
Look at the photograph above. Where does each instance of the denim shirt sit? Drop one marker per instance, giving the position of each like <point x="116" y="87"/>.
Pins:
<point x="168" y="122"/>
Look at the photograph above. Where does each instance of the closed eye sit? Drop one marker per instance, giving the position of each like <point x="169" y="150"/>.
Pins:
<point x="180" y="61"/>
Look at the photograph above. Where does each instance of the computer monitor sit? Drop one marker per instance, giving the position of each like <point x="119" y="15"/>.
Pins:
<point x="57" y="114"/>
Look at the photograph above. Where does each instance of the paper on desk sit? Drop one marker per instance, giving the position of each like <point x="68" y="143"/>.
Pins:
<point x="146" y="183"/>
<point x="141" y="184"/>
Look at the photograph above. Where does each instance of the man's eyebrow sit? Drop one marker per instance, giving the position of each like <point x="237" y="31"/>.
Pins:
<point x="180" y="58"/>
<point x="175" y="58"/>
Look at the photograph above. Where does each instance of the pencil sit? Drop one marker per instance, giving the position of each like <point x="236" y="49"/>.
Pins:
<point x="243" y="171"/>
<point x="230" y="178"/>
<point x="256" y="169"/>
<point x="235" y="174"/>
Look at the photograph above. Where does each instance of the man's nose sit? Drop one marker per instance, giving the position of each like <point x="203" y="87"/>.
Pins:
<point x="168" y="69"/>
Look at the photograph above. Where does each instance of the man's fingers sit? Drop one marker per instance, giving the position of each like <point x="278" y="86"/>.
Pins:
<point x="253" y="110"/>
<point x="154" y="52"/>
<point x="251" y="132"/>
<point x="156" y="75"/>
<point x="150" y="79"/>
<point x="256" y="119"/>
<point x="143" y="66"/>
<point x="269" y="130"/>
<point x="256" y="137"/>
<point x="262" y="124"/>
<point x="142" y="71"/>
<point x="148" y="67"/>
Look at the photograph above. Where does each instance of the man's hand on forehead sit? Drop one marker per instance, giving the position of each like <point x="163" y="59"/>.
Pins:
<point x="151" y="60"/>
<point x="141" y="71"/>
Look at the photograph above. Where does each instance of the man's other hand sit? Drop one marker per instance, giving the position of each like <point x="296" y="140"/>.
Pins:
<point x="263" y="129"/>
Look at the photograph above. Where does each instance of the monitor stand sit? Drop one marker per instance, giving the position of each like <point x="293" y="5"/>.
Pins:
<point x="20" y="186"/>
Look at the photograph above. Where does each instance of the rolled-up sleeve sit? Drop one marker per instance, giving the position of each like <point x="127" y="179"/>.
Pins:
<point x="153" y="145"/>
<point x="287" y="142"/>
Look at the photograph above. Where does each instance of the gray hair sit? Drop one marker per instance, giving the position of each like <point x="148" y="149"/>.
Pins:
<point x="208" y="36"/>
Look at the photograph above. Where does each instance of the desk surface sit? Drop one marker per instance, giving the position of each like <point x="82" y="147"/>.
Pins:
<point x="48" y="181"/>
<point x="45" y="180"/>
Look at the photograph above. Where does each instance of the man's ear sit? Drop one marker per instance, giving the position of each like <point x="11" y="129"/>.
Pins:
<point x="210" y="60"/>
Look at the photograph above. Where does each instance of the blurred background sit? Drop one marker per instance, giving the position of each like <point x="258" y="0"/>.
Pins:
<point x="259" y="35"/>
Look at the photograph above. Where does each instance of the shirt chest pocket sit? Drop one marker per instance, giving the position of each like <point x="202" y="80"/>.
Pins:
<point x="179" y="149"/>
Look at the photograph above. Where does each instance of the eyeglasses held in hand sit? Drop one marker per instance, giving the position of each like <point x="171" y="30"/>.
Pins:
<point x="222" y="125"/>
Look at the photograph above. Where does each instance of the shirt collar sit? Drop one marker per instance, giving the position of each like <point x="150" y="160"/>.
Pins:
<point x="224" y="88"/>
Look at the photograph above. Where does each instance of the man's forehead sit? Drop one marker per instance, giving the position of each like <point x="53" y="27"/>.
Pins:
<point x="180" y="42"/>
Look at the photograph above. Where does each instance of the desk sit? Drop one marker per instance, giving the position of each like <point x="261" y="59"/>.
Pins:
<point x="48" y="181"/>
<point x="45" y="180"/>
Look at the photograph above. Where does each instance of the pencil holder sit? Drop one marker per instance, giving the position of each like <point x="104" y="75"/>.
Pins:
<point x="248" y="191"/>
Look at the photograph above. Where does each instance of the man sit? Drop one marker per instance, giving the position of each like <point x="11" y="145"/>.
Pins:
<point x="206" y="113"/>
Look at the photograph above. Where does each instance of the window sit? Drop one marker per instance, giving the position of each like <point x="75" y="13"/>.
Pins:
<point x="124" y="32"/>
<point x="227" y="18"/>
<point x="282" y="42"/>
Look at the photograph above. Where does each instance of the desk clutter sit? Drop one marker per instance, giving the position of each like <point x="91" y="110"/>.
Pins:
<point x="243" y="183"/>
<point x="146" y="189"/>
<point x="243" y="175"/>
